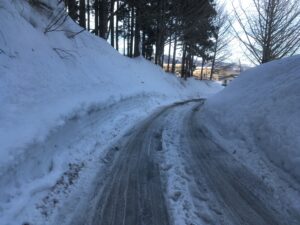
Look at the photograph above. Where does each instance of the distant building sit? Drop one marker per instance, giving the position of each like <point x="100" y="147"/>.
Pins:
<point x="224" y="73"/>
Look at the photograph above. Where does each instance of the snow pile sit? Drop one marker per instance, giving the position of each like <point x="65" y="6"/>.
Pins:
<point x="260" y="112"/>
<point x="51" y="76"/>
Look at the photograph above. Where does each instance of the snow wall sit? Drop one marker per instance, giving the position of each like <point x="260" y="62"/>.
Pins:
<point x="262" y="109"/>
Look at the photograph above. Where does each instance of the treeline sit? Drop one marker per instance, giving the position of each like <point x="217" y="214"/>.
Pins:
<point x="145" y="27"/>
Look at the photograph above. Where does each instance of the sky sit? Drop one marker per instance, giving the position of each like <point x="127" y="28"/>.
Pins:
<point x="235" y="45"/>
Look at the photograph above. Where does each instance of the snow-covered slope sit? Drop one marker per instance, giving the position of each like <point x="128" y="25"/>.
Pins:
<point x="260" y="113"/>
<point x="52" y="84"/>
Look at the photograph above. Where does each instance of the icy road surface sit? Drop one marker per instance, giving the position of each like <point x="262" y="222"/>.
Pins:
<point x="168" y="171"/>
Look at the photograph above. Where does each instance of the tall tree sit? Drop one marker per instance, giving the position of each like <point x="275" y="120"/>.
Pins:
<point x="272" y="31"/>
<point x="196" y="25"/>
<point x="148" y="26"/>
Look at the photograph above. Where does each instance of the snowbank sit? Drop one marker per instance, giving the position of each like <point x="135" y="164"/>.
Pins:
<point x="52" y="73"/>
<point x="260" y="110"/>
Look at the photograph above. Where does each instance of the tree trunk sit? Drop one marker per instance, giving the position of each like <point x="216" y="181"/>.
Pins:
<point x="112" y="23"/>
<point x="191" y="62"/>
<point x="128" y="35"/>
<point x="144" y="44"/>
<point x="137" y="35"/>
<point x="159" y="50"/>
<point x="183" y="72"/>
<point x="82" y="20"/>
<point x="96" y="17"/>
<point x="162" y="59"/>
<point x="72" y="9"/>
<point x="187" y="66"/>
<point x="201" y="76"/>
<point x="157" y="45"/>
<point x="192" y="66"/>
<point x="88" y="15"/>
<point x="160" y="34"/>
<point x="117" y="27"/>
<point x="174" y="48"/>
<point x="131" y="32"/>
<point x="103" y="18"/>
<point x="174" y="54"/>
<point x="169" y="55"/>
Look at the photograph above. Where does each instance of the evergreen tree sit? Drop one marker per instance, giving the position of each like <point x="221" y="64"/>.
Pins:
<point x="147" y="26"/>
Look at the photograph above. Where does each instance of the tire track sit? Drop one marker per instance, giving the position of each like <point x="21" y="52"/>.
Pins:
<point x="133" y="193"/>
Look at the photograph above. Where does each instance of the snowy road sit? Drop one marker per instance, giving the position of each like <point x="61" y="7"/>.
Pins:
<point x="133" y="192"/>
<point x="137" y="189"/>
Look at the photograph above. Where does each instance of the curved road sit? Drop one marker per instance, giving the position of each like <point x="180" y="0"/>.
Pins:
<point x="133" y="192"/>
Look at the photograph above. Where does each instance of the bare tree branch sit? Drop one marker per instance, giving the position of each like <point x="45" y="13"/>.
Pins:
<point x="271" y="32"/>
<point x="222" y="37"/>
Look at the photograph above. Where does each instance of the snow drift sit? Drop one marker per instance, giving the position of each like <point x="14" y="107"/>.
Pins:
<point x="52" y="73"/>
<point x="261" y="109"/>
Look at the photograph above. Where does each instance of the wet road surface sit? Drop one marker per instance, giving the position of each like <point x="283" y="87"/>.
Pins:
<point x="133" y="192"/>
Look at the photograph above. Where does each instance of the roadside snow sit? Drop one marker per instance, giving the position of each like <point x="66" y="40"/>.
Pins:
<point x="257" y="120"/>
<point x="262" y="108"/>
<point x="64" y="100"/>
<point x="173" y="170"/>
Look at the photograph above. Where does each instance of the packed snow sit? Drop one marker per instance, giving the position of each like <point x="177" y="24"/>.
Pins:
<point x="65" y="97"/>
<point x="256" y="119"/>
<point x="262" y="108"/>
